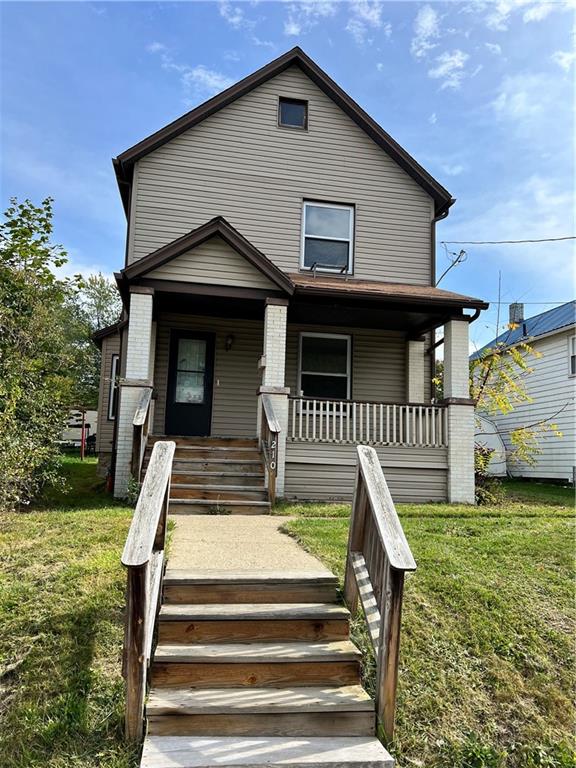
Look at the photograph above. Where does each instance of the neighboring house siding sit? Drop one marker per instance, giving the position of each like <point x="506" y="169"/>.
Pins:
<point x="324" y="471"/>
<point x="239" y="164"/>
<point x="105" y="429"/>
<point x="551" y="389"/>
<point x="215" y="263"/>
<point x="378" y="362"/>
<point x="236" y="375"/>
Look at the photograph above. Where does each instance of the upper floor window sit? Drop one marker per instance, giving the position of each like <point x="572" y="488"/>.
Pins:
<point x="293" y="113"/>
<point x="327" y="237"/>
<point x="113" y="391"/>
<point x="572" y="355"/>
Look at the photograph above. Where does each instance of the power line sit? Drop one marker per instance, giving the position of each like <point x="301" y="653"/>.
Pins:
<point x="505" y="242"/>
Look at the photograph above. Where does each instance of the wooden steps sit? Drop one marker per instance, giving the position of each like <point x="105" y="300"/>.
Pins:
<point x="257" y="670"/>
<point x="216" y="475"/>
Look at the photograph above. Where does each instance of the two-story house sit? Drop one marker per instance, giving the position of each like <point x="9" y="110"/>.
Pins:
<point x="279" y="297"/>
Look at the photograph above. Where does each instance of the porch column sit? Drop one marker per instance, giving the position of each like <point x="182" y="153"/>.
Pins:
<point x="138" y="376"/>
<point x="415" y="371"/>
<point x="460" y="416"/>
<point x="273" y="377"/>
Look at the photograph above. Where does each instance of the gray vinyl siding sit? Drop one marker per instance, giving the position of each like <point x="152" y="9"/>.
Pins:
<point x="378" y="362"/>
<point x="239" y="164"/>
<point x="326" y="472"/>
<point x="236" y="377"/>
<point x="552" y="391"/>
<point x="215" y="263"/>
<point x="105" y="429"/>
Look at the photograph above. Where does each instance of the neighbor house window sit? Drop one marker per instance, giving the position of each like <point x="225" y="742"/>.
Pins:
<point x="325" y="365"/>
<point x="327" y="237"/>
<point x="572" y="355"/>
<point x="292" y="113"/>
<point x="113" y="391"/>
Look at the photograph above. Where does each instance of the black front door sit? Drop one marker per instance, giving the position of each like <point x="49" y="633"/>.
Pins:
<point x="190" y="380"/>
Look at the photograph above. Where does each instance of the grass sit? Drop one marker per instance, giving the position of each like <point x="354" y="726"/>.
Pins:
<point x="61" y="601"/>
<point x="487" y="660"/>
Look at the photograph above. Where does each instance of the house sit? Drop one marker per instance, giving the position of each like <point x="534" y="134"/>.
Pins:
<point x="278" y="292"/>
<point x="551" y="385"/>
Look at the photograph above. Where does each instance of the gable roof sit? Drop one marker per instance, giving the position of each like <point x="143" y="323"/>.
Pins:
<point x="217" y="226"/>
<point x="546" y="322"/>
<point x="124" y="163"/>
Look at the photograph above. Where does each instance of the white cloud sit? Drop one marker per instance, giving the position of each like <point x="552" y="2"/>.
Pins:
<point x="521" y="97"/>
<point x="453" y="170"/>
<point x="234" y="15"/>
<point x="449" y="69"/>
<point x="433" y="119"/>
<point x="494" y="48"/>
<point x="497" y="15"/>
<point x="426" y="29"/>
<point x="366" y="16"/>
<point x="380" y="66"/>
<point x="198" y="82"/>
<point x="564" y="59"/>
<point x="303" y="16"/>
<point x="291" y="27"/>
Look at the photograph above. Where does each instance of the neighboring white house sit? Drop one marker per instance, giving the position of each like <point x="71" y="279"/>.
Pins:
<point x="552" y="388"/>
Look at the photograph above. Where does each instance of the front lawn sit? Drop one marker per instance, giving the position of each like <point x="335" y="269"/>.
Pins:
<point x="61" y="598"/>
<point x="487" y="659"/>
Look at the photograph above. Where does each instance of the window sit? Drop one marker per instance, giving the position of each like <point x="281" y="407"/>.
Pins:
<point x="572" y="355"/>
<point x="327" y="235"/>
<point x="190" y="371"/>
<point x="325" y="365"/>
<point x="113" y="391"/>
<point x="293" y="113"/>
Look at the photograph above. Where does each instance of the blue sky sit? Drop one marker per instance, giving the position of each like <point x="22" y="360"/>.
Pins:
<point x="481" y="93"/>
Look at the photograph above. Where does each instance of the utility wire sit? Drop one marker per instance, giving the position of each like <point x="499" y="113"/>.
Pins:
<point x="505" y="242"/>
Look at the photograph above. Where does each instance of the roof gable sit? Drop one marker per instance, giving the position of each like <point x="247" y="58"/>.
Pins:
<point x="219" y="228"/>
<point x="124" y="163"/>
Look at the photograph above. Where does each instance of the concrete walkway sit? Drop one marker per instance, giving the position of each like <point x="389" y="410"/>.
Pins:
<point x="236" y="543"/>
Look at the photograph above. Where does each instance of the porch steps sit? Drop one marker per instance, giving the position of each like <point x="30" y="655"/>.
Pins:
<point x="216" y="475"/>
<point x="257" y="670"/>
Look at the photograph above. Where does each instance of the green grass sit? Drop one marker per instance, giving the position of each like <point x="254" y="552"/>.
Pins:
<point x="487" y="659"/>
<point x="61" y="602"/>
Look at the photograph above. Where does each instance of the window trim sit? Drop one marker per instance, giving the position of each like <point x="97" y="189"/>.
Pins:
<point x="571" y="354"/>
<point x="350" y="240"/>
<point x="292" y="100"/>
<point x="348" y="373"/>
<point x="112" y="387"/>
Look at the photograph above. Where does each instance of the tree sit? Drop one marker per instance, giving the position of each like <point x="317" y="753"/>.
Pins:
<point x="36" y="361"/>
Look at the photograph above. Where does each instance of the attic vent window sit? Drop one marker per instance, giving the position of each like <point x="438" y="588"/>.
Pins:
<point x="293" y="113"/>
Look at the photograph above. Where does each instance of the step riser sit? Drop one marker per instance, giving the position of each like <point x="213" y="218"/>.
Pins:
<point x="237" y="454"/>
<point x="266" y="674"/>
<point x="207" y="478"/>
<point x="251" y="631"/>
<point x="308" y="724"/>
<point x="212" y="508"/>
<point x="176" y="492"/>
<point x="197" y="594"/>
<point x="192" y="466"/>
<point x="216" y="442"/>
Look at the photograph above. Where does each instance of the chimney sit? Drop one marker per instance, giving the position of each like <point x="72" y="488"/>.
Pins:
<point x="516" y="313"/>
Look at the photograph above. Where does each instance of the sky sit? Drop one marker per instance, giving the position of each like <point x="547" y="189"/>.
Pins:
<point x="481" y="93"/>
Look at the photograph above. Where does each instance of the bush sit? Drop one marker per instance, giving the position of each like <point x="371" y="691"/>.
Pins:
<point x="488" y="489"/>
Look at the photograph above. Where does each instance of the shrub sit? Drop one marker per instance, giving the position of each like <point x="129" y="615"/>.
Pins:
<point x="488" y="489"/>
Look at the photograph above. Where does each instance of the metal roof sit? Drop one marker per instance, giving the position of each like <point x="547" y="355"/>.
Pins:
<point x="532" y="327"/>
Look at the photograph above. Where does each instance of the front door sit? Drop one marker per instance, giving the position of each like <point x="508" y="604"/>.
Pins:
<point x="190" y="380"/>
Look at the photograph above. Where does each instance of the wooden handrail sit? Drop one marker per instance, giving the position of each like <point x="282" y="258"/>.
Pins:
<point x="270" y="429"/>
<point x="378" y="558"/>
<point x="141" y="427"/>
<point x="143" y="556"/>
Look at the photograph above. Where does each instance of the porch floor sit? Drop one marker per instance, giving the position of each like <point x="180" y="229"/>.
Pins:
<point x="236" y="543"/>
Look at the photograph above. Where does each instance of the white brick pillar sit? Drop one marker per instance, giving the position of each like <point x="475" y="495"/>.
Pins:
<point x="415" y="371"/>
<point x="460" y="416"/>
<point x="273" y="366"/>
<point x="138" y="375"/>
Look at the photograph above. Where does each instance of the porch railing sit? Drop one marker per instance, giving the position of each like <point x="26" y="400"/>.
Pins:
<point x="270" y="429"/>
<point x="143" y="556"/>
<point x="356" y="421"/>
<point x="141" y="426"/>
<point x="378" y="558"/>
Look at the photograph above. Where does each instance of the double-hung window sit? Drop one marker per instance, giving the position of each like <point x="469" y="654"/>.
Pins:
<point x="325" y="366"/>
<point x="327" y="237"/>
<point x="572" y="355"/>
<point x="113" y="390"/>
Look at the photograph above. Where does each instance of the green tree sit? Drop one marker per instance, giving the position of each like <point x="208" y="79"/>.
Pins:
<point x="36" y="360"/>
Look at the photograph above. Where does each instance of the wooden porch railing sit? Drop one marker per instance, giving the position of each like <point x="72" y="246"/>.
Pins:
<point x="378" y="558"/>
<point x="141" y="425"/>
<point x="354" y="421"/>
<point x="143" y="556"/>
<point x="270" y="429"/>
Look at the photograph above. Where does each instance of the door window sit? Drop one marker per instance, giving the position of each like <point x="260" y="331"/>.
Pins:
<point x="190" y="370"/>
